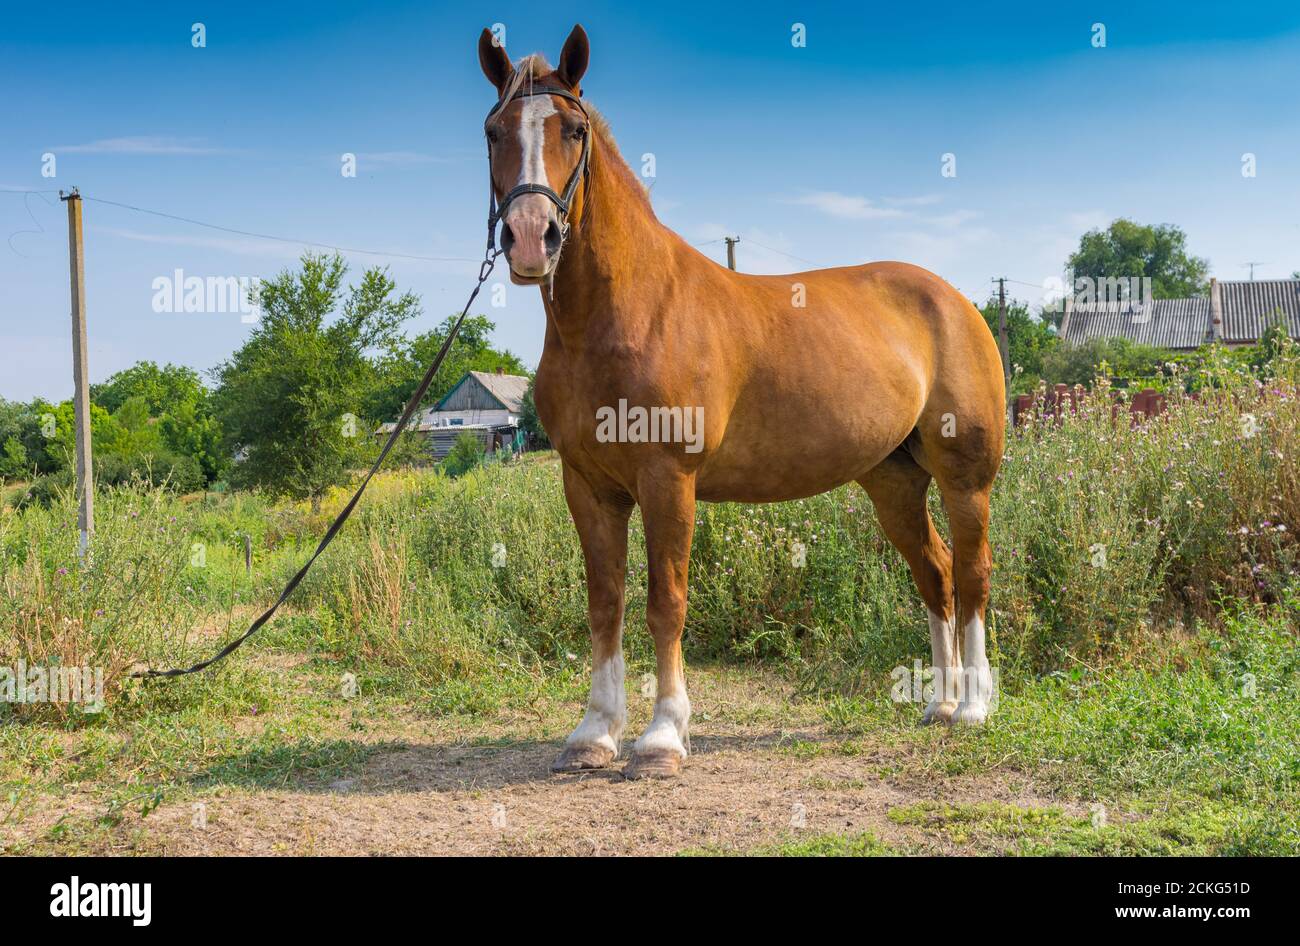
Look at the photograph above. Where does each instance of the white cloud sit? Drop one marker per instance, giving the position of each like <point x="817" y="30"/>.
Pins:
<point x="246" y="246"/>
<point x="397" y="158"/>
<point x="853" y="207"/>
<point x="958" y="255"/>
<point x="923" y="200"/>
<point x="846" y="206"/>
<point x="142" y="144"/>
<point x="277" y="250"/>
<point x="953" y="220"/>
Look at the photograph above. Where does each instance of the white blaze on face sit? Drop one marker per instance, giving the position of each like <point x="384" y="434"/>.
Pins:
<point x="532" y="135"/>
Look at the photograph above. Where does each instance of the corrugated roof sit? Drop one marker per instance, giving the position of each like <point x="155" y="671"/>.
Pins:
<point x="1249" y="308"/>
<point x="507" y="388"/>
<point x="1167" y="323"/>
<point x="1178" y="323"/>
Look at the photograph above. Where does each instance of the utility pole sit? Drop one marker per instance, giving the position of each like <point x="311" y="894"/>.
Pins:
<point x="731" y="250"/>
<point x="1003" y="348"/>
<point x="80" y="375"/>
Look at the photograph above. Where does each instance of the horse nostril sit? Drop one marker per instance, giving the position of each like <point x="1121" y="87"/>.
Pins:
<point x="507" y="237"/>
<point x="554" y="238"/>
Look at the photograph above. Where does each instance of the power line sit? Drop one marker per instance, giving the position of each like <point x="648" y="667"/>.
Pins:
<point x="783" y="253"/>
<point x="260" y="236"/>
<point x="280" y="239"/>
<point x="27" y="195"/>
<point x="346" y="249"/>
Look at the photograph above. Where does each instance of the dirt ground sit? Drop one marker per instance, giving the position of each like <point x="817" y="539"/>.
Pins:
<point x="765" y="771"/>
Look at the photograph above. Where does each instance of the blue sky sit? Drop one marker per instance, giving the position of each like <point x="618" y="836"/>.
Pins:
<point x="828" y="154"/>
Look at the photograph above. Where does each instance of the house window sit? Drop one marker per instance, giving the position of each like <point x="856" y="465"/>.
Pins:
<point x="457" y="422"/>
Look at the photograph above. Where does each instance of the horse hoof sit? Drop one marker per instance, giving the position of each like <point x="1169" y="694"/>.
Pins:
<point x="658" y="763"/>
<point x="936" y="712"/>
<point x="582" y="758"/>
<point x="970" y="714"/>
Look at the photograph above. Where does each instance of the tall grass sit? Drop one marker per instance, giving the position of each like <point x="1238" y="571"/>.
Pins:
<point x="1109" y="540"/>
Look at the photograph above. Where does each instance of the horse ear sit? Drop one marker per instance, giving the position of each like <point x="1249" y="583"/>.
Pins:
<point x="495" y="61"/>
<point x="573" y="60"/>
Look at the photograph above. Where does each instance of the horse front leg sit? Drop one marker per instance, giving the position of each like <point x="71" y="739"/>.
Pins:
<point x="601" y="521"/>
<point x="667" y="500"/>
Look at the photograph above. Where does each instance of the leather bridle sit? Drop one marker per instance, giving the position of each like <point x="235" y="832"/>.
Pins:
<point x="563" y="200"/>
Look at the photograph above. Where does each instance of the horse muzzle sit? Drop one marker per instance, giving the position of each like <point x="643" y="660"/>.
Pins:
<point x="531" y="238"/>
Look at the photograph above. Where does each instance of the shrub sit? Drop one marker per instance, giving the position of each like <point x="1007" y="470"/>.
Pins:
<point x="466" y="453"/>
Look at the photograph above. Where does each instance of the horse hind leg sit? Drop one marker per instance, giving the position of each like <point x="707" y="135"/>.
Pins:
<point x="897" y="487"/>
<point x="968" y="517"/>
<point x="959" y="439"/>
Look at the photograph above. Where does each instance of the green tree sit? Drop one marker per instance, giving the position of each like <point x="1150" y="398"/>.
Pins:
<point x="192" y="431"/>
<point x="127" y="445"/>
<point x="28" y="424"/>
<point x="16" y="424"/>
<point x="180" y="404"/>
<point x="131" y="434"/>
<point x="402" y="368"/>
<point x="13" y="459"/>
<point x="13" y="418"/>
<point x="162" y="389"/>
<point x="528" y="419"/>
<point x="1126" y="249"/>
<point x="292" y="400"/>
<point x="1029" y="338"/>
<point x="51" y="438"/>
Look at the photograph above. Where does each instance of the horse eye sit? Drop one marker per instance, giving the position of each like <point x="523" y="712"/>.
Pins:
<point x="578" y="133"/>
<point x="494" y="134"/>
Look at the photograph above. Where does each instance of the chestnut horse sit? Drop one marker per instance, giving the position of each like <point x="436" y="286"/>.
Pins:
<point x="881" y="374"/>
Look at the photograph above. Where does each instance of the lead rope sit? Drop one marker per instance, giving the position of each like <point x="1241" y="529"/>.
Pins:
<point x="485" y="270"/>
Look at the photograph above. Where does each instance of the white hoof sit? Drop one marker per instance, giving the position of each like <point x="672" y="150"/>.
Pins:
<point x="668" y="730"/>
<point x="970" y="714"/>
<point x="938" y="711"/>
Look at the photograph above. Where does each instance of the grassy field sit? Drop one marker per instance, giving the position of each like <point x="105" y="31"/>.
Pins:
<point x="1144" y="626"/>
